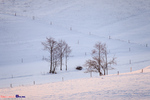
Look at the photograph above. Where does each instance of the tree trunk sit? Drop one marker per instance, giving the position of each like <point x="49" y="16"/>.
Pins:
<point x="66" y="63"/>
<point x="100" y="73"/>
<point x="66" y="67"/>
<point x="104" y="72"/>
<point x="106" y="63"/>
<point x="51" y="61"/>
<point x="99" y="62"/>
<point x="61" y="62"/>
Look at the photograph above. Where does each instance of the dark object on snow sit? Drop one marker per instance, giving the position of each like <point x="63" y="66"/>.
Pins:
<point x="79" y="68"/>
<point x="53" y="72"/>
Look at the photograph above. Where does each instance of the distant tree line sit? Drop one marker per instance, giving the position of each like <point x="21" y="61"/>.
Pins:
<point x="57" y="51"/>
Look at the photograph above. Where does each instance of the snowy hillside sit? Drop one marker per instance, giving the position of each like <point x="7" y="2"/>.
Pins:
<point x="127" y="86"/>
<point x="123" y="25"/>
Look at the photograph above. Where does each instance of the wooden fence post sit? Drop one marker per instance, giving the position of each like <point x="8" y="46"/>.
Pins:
<point x="51" y="23"/>
<point x="130" y="69"/>
<point x="62" y="79"/>
<point x="129" y="61"/>
<point x="129" y="49"/>
<point x="33" y="17"/>
<point x="128" y="41"/>
<point x="142" y="71"/>
<point x="11" y="85"/>
<point x="118" y="73"/>
<point x="70" y="28"/>
<point x="90" y="74"/>
<point x="33" y="82"/>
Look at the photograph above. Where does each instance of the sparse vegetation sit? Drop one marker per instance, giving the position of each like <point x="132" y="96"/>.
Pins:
<point x="100" y="62"/>
<point x="57" y="50"/>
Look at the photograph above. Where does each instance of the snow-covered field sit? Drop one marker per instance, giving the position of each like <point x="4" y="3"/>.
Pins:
<point x="127" y="86"/>
<point x="24" y="24"/>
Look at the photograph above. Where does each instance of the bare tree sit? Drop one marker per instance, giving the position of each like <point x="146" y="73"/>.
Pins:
<point x="57" y="50"/>
<point x="100" y="60"/>
<point x="107" y="63"/>
<point x="61" y="48"/>
<point x="55" y="59"/>
<point x="67" y="53"/>
<point x="50" y="45"/>
<point x="97" y="54"/>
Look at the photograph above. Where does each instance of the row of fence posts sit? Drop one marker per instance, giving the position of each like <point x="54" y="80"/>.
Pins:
<point x="33" y="18"/>
<point x="131" y="71"/>
<point x="129" y="60"/>
<point x="11" y="85"/>
<point x="127" y="41"/>
<point x="90" y="76"/>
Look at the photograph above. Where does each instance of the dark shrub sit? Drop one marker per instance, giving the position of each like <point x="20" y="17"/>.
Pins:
<point x="78" y="68"/>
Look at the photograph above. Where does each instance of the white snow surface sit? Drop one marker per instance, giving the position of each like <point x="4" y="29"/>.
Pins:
<point x="126" y="22"/>
<point x="127" y="86"/>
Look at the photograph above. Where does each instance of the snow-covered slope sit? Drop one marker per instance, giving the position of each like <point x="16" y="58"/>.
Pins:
<point x="24" y="24"/>
<point x="127" y="86"/>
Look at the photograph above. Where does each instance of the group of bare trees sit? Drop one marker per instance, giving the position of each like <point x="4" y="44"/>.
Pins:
<point x="57" y="51"/>
<point x="99" y="62"/>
